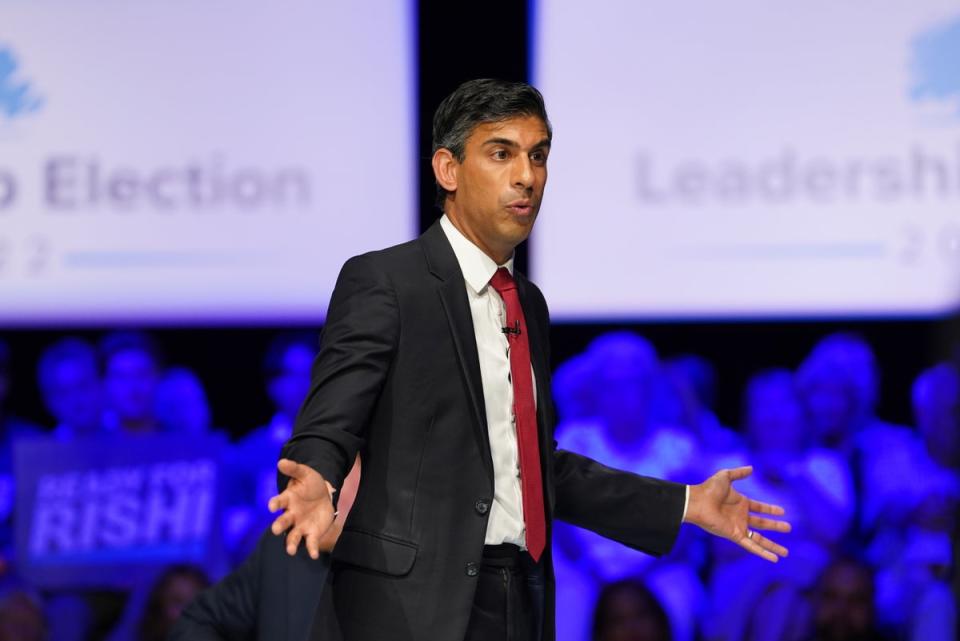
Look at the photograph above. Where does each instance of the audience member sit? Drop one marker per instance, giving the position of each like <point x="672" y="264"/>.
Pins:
<point x="175" y="588"/>
<point x="627" y="611"/>
<point x="131" y="367"/>
<point x="69" y="380"/>
<point x="181" y="403"/>
<point x="573" y="390"/>
<point x="12" y="429"/>
<point x="625" y="434"/>
<point x="914" y="553"/>
<point x="843" y="603"/>
<point x="688" y="398"/>
<point x="813" y="484"/>
<point x="286" y="371"/>
<point x="839" y="384"/>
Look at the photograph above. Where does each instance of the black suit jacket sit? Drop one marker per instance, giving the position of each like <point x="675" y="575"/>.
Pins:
<point x="397" y="378"/>
<point x="270" y="597"/>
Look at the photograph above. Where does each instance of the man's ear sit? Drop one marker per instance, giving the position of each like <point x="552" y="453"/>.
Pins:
<point x="445" y="168"/>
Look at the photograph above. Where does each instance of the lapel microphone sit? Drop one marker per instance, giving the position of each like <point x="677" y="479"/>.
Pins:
<point x="515" y="330"/>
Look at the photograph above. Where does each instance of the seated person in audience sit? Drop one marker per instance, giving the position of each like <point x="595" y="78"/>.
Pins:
<point x="573" y="391"/>
<point x="12" y="429"/>
<point x="839" y="386"/>
<point x="689" y="384"/>
<point x="182" y="406"/>
<point x="936" y="408"/>
<point x="242" y="607"/>
<point x="286" y="369"/>
<point x="913" y="552"/>
<point x="627" y="611"/>
<point x="813" y="483"/>
<point x="176" y="587"/>
<point x="843" y="603"/>
<point x="626" y="435"/>
<point x="131" y="370"/>
<point x="69" y="380"/>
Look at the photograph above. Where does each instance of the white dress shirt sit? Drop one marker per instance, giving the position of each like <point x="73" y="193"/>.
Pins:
<point x="505" y="524"/>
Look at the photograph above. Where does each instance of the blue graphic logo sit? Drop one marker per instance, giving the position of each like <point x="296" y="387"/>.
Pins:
<point x="936" y="64"/>
<point x="16" y="98"/>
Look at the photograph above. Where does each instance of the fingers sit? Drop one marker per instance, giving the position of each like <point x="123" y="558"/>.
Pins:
<point x="294" y="537"/>
<point x="292" y="469"/>
<point x="766" y="508"/>
<point x="761" y="523"/>
<point x="282" y="523"/>
<point x="763" y="547"/>
<point x="313" y="545"/>
<point x="739" y="473"/>
<point x="279" y="502"/>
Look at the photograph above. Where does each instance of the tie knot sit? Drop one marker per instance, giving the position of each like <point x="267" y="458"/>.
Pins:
<point x="502" y="280"/>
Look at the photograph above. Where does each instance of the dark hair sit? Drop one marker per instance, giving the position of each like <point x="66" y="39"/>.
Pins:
<point x="642" y="595"/>
<point x="283" y="343"/>
<point x="153" y="625"/>
<point x="130" y="340"/>
<point x="65" y="349"/>
<point x="480" y="101"/>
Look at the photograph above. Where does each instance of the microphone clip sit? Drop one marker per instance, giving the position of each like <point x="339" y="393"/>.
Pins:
<point x="515" y="330"/>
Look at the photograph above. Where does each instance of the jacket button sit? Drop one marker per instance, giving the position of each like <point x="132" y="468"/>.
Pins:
<point x="482" y="506"/>
<point x="473" y="569"/>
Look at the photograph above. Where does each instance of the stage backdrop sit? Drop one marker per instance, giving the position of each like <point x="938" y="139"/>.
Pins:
<point x="749" y="159"/>
<point x="199" y="162"/>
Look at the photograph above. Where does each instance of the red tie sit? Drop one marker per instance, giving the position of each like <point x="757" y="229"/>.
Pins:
<point x="525" y="414"/>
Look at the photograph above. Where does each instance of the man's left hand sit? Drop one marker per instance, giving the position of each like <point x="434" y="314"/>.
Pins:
<point x="720" y="509"/>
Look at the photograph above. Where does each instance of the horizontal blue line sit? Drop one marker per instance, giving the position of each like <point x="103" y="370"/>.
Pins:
<point x="109" y="259"/>
<point x="787" y="251"/>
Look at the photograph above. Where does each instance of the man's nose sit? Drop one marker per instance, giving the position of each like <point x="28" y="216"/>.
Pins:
<point x="523" y="172"/>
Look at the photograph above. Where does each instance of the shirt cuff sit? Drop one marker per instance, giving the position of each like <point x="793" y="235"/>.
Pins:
<point x="686" y="502"/>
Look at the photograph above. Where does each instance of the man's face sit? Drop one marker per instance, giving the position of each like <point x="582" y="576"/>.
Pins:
<point x="499" y="185"/>
<point x="73" y="394"/>
<point x="131" y="381"/>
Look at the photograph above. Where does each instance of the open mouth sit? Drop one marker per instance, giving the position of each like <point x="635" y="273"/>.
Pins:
<point x="521" y="207"/>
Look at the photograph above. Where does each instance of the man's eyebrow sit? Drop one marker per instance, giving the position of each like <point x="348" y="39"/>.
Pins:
<point x="506" y="142"/>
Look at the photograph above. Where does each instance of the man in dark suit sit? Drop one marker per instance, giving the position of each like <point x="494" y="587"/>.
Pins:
<point x="434" y="365"/>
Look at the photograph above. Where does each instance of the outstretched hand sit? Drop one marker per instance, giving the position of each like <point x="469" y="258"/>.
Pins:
<point x="717" y="507"/>
<point x="307" y="505"/>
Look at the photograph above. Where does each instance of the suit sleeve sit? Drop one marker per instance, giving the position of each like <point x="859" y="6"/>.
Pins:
<point x="356" y="350"/>
<point x="640" y="512"/>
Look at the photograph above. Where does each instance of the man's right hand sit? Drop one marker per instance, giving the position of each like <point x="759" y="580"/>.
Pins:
<point x="307" y="506"/>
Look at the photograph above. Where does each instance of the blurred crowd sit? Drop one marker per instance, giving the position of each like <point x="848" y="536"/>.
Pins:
<point x="119" y="388"/>
<point x="873" y="504"/>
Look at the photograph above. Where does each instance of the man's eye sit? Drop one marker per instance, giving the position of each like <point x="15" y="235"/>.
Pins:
<point x="500" y="154"/>
<point x="538" y="156"/>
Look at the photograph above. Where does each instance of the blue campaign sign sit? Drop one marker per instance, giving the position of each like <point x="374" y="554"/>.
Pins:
<point x="104" y="511"/>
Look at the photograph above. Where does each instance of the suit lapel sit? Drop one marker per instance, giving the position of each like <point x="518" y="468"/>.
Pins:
<point x="453" y="297"/>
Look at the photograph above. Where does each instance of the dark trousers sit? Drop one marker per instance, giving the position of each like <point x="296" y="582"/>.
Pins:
<point x="509" y="601"/>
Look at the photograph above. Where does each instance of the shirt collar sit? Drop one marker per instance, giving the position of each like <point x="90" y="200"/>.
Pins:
<point x="477" y="267"/>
